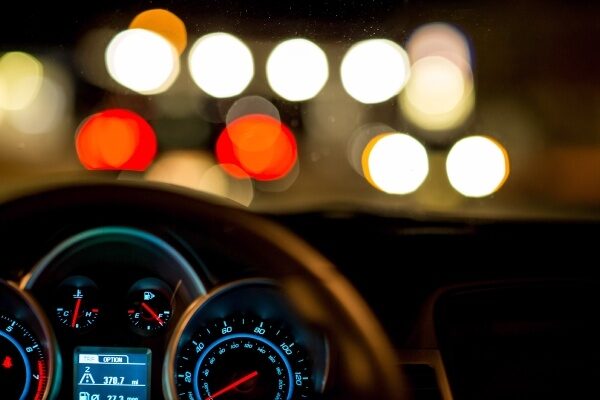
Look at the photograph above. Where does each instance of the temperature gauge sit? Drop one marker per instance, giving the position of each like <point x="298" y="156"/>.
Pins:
<point x="150" y="306"/>
<point x="77" y="307"/>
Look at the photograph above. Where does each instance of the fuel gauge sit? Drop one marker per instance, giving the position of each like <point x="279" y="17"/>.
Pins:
<point x="77" y="306"/>
<point x="150" y="306"/>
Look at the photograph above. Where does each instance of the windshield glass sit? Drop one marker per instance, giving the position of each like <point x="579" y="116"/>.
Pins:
<point x="399" y="108"/>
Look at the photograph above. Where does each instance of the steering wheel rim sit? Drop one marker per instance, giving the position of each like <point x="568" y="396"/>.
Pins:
<point x="366" y="365"/>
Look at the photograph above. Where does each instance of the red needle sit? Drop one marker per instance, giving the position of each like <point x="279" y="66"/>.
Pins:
<point x="233" y="385"/>
<point x="76" y="313"/>
<point x="152" y="313"/>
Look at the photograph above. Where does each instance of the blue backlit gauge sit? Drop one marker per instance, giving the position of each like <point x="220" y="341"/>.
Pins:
<point x="243" y="358"/>
<point x="23" y="368"/>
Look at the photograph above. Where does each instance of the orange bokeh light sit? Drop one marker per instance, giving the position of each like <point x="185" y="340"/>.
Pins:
<point x="115" y="139"/>
<point x="258" y="146"/>
<point x="165" y="23"/>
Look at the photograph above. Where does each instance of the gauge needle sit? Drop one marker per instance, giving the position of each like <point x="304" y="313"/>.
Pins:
<point x="76" y="312"/>
<point x="233" y="385"/>
<point x="153" y="314"/>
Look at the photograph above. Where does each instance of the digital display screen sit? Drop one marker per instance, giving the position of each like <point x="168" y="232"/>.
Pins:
<point x="112" y="373"/>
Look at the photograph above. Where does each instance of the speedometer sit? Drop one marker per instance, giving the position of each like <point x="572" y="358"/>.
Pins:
<point x="243" y="357"/>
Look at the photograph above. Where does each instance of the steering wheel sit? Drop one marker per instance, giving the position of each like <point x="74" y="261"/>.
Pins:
<point x="365" y="366"/>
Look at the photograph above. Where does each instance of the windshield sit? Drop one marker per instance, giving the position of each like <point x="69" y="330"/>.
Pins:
<point x="400" y="108"/>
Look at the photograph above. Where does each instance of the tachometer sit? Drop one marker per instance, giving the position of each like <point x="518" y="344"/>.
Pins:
<point x="27" y="348"/>
<point x="23" y="370"/>
<point x="243" y="357"/>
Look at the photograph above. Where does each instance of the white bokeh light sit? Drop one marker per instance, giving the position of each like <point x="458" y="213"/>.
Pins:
<point x="436" y="86"/>
<point x="439" y="96"/>
<point x="142" y="61"/>
<point x="221" y="64"/>
<point x="396" y="163"/>
<point x="375" y="70"/>
<point x="297" y="69"/>
<point x="477" y="166"/>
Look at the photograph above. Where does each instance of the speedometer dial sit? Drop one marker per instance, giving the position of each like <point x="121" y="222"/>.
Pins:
<point x="23" y="368"/>
<point x="245" y="358"/>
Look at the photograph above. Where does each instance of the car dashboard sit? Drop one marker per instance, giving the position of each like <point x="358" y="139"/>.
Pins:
<point x="121" y="301"/>
<point x="118" y="302"/>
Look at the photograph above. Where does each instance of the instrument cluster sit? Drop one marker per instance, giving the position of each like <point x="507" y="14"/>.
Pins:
<point x="130" y="318"/>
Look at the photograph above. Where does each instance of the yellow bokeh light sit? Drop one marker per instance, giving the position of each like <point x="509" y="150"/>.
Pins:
<point x="3" y="95"/>
<point x="44" y="113"/>
<point x="165" y="23"/>
<point x="187" y="169"/>
<point x="21" y="77"/>
<point x="142" y="61"/>
<point x="374" y="70"/>
<point x="477" y="166"/>
<point x="198" y="171"/>
<point x="297" y="69"/>
<point x="395" y="163"/>
<point x="221" y="64"/>
<point x="439" y="95"/>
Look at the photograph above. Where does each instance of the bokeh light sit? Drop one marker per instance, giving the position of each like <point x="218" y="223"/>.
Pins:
<point x="142" y="61"/>
<point x="360" y="139"/>
<point x="280" y="185"/>
<point x="375" y="70"/>
<point x="44" y="113"/>
<point x="35" y="134"/>
<point x="89" y="56"/>
<point x="395" y="163"/>
<point x="439" y="95"/>
<point x="221" y="64"/>
<point x="21" y="77"/>
<point x="440" y="39"/>
<point x="436" y="85"/>
<point x="198" y="170"/>
<point x="251" y="105"/>
<point x="116" y="139"/>
<point x="477" y="166"/>
<point x="297" y="69"/>
<point x="187" y="168"/>
<point x="258" y="146"/>
<point x="164" y="23"/>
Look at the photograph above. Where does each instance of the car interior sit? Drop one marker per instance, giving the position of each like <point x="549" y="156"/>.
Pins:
<point x="299" y="200"/>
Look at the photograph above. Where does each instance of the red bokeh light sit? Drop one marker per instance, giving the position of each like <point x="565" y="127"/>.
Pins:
<point x="257" y="146"/>
<point x="116" y="139"/>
